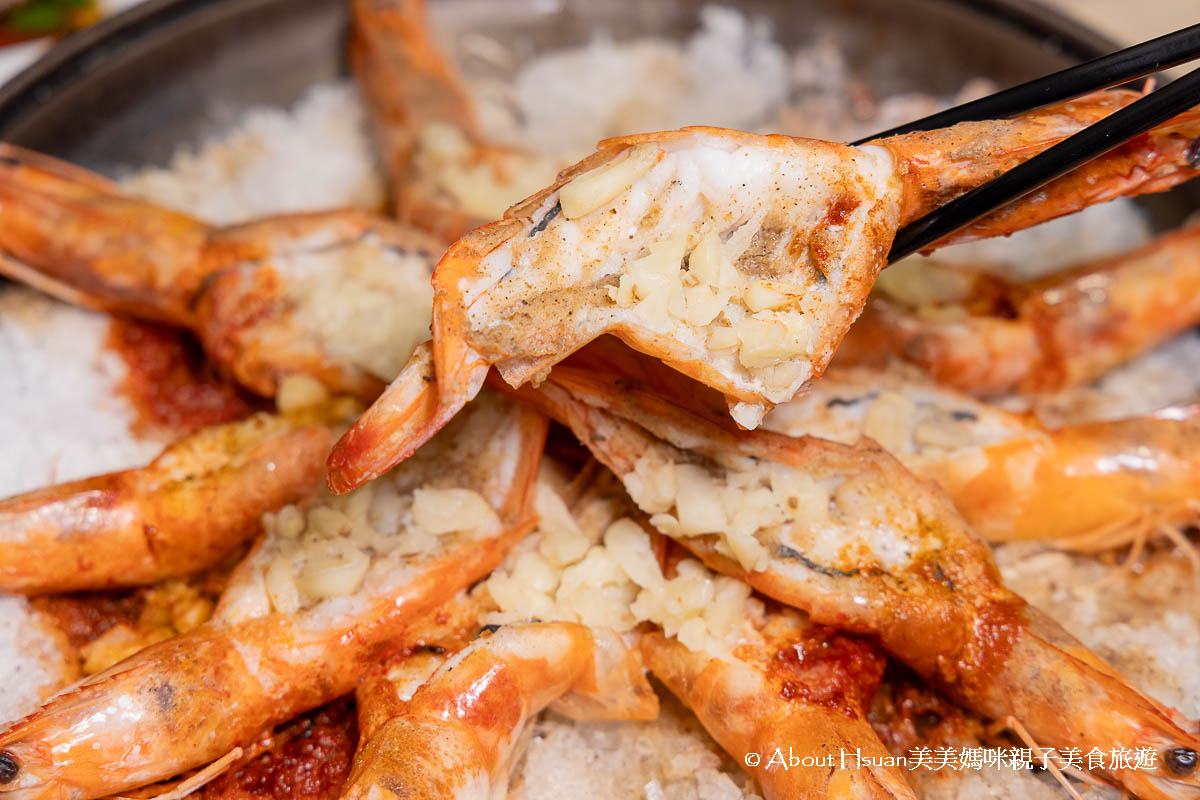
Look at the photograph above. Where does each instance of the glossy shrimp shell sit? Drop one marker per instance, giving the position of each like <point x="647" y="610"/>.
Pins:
<point x="795" y="688"/>
<point x="455" y="735"/>
<point x="407" y="83"/>
<point x="184" y="512"/>
<point x="941" y="608"/>
<point x="186" y="701"/>
<point x="1090" y="486"/>
<point x="1042" y="336"/>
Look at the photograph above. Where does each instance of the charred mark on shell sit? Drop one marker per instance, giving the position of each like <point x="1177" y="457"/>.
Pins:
<point x="1180" y="760"/>
<point x="850" y="401"/>
<point x="9" y="767"/>
<point x="164" y="693"/>
<point x="941" y="576"/>
<point x="796" y="555"/>
<point x="436" y="649"/>
<point x="546" y="220"/>
<point x="492" y="628"/>
<point x="964" y="416"/>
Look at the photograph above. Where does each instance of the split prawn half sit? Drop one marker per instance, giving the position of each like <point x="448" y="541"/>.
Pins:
<point x="1089" y="487"/>
<point x="196" y="503"/>
<point x="987" y="336"/>
<point x="455" y="734"/>
<point x="848" y="535"/>
<point x="327" y="592"/>
<point x="446" y="177"/>
<point x="740" y="260"/>
<point x="752" y="676"/>
<point x="267" y="299"/>
<point x="793" y="689"/>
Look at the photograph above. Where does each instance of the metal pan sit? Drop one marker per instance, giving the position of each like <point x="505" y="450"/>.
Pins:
<point x="132" y="89"/>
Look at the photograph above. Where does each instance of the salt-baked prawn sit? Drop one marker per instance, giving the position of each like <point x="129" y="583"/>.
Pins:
<point x="1090" y="486"/>
<point x="847" y="534"/>
<point x="796" y="689"/>
<point x="595" y="560"/>
<point x="323" y="596"/>
<point x="185" y="511"/>
<point x="987" y="336"/>
<point x="455" y="734"/>
<point x="446" y="177"/>
<point x="267" y="299"/>
<point x="739" y="260"/>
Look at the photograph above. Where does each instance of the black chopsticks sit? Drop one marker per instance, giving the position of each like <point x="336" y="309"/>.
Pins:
<point x="1104" y="72"/>
<point x="1112" y="131"/>
<point x="1095" y="140"/>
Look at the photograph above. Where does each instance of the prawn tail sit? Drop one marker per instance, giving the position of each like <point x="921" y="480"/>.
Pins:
<point x="407" y="414"/>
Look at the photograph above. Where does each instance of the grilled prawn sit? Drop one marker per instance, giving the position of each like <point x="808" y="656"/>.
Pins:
<point x="454" y="734"/>
<point x="324" y="595"/>
<point x="1089" y="486"/>
<point x="446" y="177"/>
<point x="739" y="260"/>
<point x="845" y="533"/>
<point x="185" y="511"/>
<point x="793" y="687"/>
<point x="987" y="336"/>
<point x="750" y="675"/>
<point x="267" y="299"/>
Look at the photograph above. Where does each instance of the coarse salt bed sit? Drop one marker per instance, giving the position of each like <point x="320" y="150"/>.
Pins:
<point x="1166" y="376"/>
<point x="728" y="74"/>
<point x="42" y="666"/>
<point x="997" y="784"/>
<point x="314" y="156"/>
<point x="671" y="758"/>
<point x="63" y="418"/>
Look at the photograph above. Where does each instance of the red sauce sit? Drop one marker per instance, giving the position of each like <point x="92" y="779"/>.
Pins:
<point x="84" y="616"/>
<point x="906" y="713"/>
<point x="828" y="669"/>
<point x="169" y="382"/>
<point x="309" y="759"/>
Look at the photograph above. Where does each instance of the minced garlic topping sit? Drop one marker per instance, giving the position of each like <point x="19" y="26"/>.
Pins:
<point x="366" y="302"/>
<point x="326" y="549"/>
<point x="598" y="568"/>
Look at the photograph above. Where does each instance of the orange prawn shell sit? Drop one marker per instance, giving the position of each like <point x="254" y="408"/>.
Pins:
<point x="143" y="525"/>
<point x="1081" y="479"/>
<point x="766" y="698"/>
<point x="461" y="725"/>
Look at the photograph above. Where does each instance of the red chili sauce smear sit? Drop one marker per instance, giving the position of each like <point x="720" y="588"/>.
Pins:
<point x="308" y="759"/>
<point x="169" y="382"/>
